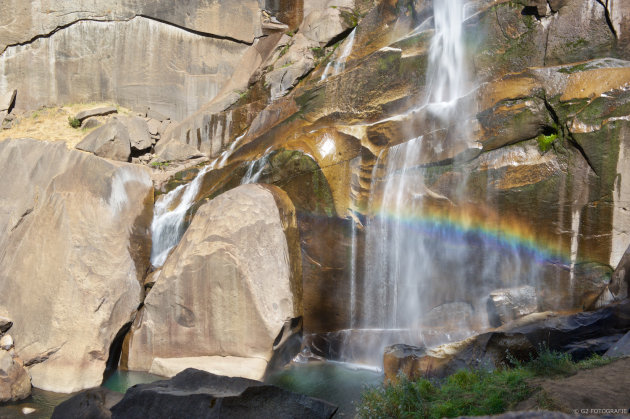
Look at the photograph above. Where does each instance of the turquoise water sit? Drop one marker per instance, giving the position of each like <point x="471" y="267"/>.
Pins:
<point x="337" y="383"/>
<point x="120" y="381"/>
<point x="44" y="402"/>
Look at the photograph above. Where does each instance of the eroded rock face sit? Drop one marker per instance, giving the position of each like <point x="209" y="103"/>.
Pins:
<point x="38" y="17"/>
<point x="74" y="247"/>
<point x="227" y="288"/>
<point x="15" y="384"/>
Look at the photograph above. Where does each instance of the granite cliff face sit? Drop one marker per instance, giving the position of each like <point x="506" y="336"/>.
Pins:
<point x="319" y="100"/>
<point x="173" y="57"/>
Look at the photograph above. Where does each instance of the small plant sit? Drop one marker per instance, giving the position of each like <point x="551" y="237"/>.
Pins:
<point x="284" y="50"/>
<point x="74" y="122"/>
<point x="160" y="164"/>
<point x="546" y="141"/>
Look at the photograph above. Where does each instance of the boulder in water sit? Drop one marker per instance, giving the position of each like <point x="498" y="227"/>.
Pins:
<point x="88" y="404"/>
<point x="198" y="394"/>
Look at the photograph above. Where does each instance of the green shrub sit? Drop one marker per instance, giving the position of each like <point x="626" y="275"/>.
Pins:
<point x="74" y="122"/>
<point x="467" y="392"/>
<point x="550" y="363"/>
<point x="470" y="392"/>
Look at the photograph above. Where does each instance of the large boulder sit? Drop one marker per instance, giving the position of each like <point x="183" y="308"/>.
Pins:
<point x="15" y="384"/>
<point x="198" y="394"/>
<point x="73" y="249"/>
<point x="139" y="136"/>
<point x="89" y="113"/>
<point x="226" y="290"/>
<point x="110" y="141"/>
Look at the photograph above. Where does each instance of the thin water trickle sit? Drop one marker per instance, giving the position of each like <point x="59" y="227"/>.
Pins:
<point x="339" y="64"/>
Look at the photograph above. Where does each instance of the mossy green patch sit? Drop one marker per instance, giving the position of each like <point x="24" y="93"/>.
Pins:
<point x="545" y="142"/>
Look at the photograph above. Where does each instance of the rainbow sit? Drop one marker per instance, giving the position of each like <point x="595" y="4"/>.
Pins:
<point x="480" y="225"/>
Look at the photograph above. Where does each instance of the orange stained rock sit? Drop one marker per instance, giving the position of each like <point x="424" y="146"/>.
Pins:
<point x="511" y="87"/>
<point x="588" y="84"/>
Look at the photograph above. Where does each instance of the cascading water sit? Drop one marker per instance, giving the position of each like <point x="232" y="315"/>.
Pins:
<point x="339" y="64"/>
<point x="431" y="260"/>
<point x="169" y="213"/>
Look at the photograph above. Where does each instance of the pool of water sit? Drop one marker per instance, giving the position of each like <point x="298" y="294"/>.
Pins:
<point x="337" y="383"/>
<point x="44" y="402"/>
<point x="120" y="381"/>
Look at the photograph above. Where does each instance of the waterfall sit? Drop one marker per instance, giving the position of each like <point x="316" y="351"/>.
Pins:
<point x="403" y="270"/>
<point x="446" y="74"/>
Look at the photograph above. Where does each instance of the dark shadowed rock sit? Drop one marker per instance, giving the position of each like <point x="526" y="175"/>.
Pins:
<point x="110" y="141"/>
<point x="89" y="404"/>
<point x="107" y="110"/>
<point x="580" y="335"/>
<point x="5" y="324"/>
<point x="198" y="394"/>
